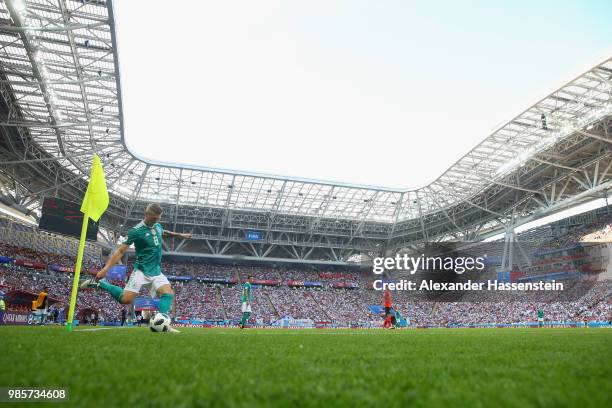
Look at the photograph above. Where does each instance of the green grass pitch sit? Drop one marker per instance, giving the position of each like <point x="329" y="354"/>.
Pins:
<point x="127" y="367"/>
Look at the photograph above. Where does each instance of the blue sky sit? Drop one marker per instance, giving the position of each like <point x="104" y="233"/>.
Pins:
<point x="384" y="93"/>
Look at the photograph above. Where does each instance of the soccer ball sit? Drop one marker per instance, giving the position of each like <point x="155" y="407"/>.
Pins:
<point x="159" y="323"/>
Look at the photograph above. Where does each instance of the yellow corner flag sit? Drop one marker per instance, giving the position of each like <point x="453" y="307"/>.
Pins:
<point x="96" y="197"/>
<point x="94" y="204"/>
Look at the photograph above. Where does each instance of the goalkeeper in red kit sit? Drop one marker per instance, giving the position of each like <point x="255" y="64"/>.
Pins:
<point x="388" y="316"/>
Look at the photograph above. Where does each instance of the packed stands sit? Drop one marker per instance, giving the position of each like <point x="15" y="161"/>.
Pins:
<point x="211" y="292"/>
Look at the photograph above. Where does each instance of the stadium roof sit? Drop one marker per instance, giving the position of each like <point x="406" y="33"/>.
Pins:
<point x="59" y="62"/>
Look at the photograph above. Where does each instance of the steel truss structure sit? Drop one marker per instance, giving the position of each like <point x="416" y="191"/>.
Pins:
<point x="60" y="102"/>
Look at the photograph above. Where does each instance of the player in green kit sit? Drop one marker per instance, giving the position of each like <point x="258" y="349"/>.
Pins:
<point x="147" y="239"/>
<point x="540" y="317"/>
<point x="247" y="291"/>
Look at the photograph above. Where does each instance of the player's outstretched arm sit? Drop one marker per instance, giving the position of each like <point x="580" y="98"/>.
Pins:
<point x="116" y="257"/>
<point x="177" y="234"/>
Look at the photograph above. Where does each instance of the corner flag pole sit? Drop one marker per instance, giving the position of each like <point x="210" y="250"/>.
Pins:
<point x="94" y="204"/>
<point x="77" y="273"/>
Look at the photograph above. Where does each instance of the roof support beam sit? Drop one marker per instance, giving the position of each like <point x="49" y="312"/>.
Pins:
<point x="513" y="187"/>
<point x="597" y="137"/>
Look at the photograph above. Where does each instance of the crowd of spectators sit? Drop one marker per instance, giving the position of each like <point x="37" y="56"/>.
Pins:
<point x="221" y="301"/>
<point x="195" y="300"/>
<point x="47" y="258"/>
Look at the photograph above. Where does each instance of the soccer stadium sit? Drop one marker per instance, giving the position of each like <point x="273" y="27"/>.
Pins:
<point x="129" y="281"/>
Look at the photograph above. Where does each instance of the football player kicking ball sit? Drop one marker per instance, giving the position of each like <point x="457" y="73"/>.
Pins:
<point x="147" y="239"/>
<point x="246" y="302"/>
